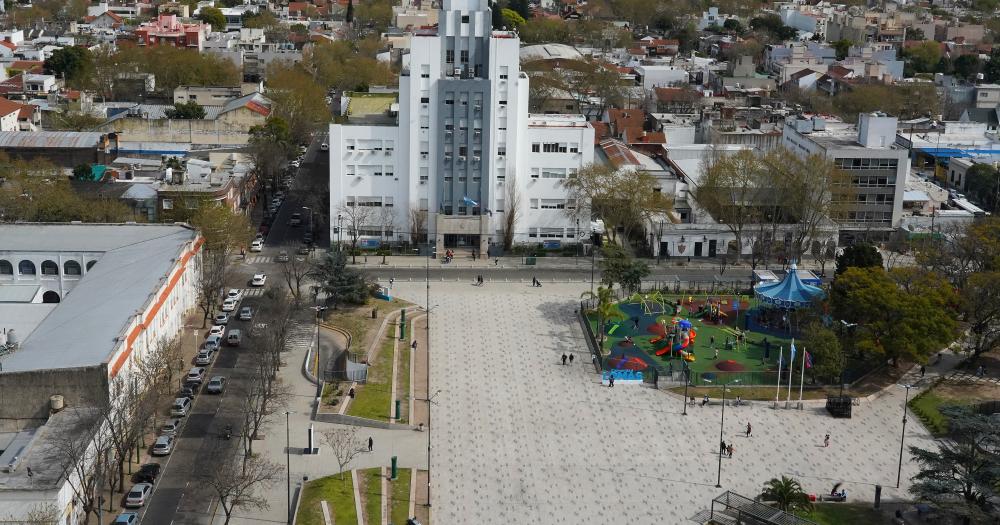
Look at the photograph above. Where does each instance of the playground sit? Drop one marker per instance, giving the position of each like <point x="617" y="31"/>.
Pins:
<point x="707" y="333"/>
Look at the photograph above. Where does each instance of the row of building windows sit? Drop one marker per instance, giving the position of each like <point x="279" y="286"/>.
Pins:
<point x="550" y="233"/>
<point x="26" y="267"/>
<point x="553" y="204"/>
<point x="553" y="173"/>
<point x="866" y="164"/>
<point x="555" y="147"/>
<point x="374" y="170"/>
<point x="376" y="202"/>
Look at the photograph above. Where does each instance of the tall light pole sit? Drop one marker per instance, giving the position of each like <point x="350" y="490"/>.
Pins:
<point x="288" y="470"/>
<point x="427" y="348"/>
<point x="722" y="426"/>
<point x="687" y="381"/>
<point x="902" y="435"/>
<point x="340" y="229"/>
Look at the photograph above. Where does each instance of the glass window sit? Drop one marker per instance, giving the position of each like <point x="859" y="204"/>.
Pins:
<point x="26" y="267"/>
<point x="6" y="268"/>
<point x="50" y="268"/>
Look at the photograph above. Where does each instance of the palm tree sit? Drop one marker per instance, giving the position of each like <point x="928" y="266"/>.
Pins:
<point x="787" y="494"/>
<point x="606" y="309"/>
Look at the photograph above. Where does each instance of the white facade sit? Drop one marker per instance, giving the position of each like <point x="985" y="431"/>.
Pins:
<point x="463" y="135"/>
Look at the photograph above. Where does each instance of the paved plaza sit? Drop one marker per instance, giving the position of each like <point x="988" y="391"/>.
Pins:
<point x="519" y="438"/>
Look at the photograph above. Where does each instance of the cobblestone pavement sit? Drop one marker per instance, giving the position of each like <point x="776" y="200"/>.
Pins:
<point x="520" y="438"/>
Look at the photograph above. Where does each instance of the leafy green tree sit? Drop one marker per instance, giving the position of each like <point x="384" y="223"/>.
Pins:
<point x="981" y="306"/>
<point x="270" y="145"/>
<point x="824" y="347"/>
<point x="991" y="69"/>
<point x="618" y="267"/>
<point x="521" y="7"/>
<point x="340" y="283"/>
<point x="967" y="66"/>
<point x="858" y="256"/>
<point x="496" y="15"/>
<point x="75" y="121"/>
<point x="733" y="26"/>
<point x="298" y="99"/>
<point x="624" y="199"/>
<point x="214" y="17"/>
<point x="81" y="172"/>
<point x="904" y="313"/>
<point x="842" y="47"/>
<point x="604" y="308"/>
<point x="982" y="183"/>
<point x="70" y="63"/>
<point x="959" y="474"/>
<point x="786" y="494"/>
<point x="924" y="56"/>
<point x="511" y="19"/>
<point x="189" y="110"/>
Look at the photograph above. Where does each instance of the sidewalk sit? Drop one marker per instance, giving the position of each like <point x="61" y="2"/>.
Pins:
<point x="409" y="446"/>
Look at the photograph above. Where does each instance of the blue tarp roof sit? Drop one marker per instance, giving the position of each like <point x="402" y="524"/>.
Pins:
<point x="957" y="152"/>
<point x="790" y="293"/>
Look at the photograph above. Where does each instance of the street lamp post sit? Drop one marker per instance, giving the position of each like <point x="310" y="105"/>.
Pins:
<point x="902" y="435"/>
<point x="288" y="470"/>
<point x="687" y="381"/>
<point x="340" y="229"/>
<point x="722" y="426"/>
<point x="427" y="348"/>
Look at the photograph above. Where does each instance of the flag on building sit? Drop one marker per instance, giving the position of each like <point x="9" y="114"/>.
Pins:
<point x="809" y="360"/>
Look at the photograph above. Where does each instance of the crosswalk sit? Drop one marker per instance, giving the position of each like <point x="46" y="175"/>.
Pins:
<point x="253" y="292"/>
<point x="300" y="335"/>
<point x="258" y="259"/>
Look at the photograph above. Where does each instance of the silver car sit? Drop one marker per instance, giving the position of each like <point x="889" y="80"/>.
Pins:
<point x="216" y="385"/>
<point x="163" y="446"/>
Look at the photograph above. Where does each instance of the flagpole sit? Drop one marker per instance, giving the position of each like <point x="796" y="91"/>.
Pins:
<point x="802" y="378"/>
<point x="791" y="370"/>
<point x="777" y="391"/>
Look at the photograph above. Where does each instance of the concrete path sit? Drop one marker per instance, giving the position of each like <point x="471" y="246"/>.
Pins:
<point x="519" y="438"/>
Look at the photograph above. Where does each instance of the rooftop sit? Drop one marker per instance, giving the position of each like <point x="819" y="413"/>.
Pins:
<point x="84" y="328"/>
<point x="49" y="139"/>
<point x="37" y="448"/>
<point x="557" y="121"/>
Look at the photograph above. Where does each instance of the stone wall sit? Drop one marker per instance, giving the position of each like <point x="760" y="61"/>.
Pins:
<point x="25" y="395"/>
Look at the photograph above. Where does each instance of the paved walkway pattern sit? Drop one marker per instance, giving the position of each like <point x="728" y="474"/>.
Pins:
<point x="520" y="438"/>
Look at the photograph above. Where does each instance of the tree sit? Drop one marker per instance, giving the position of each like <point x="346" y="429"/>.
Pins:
<point x="924" y="56"/>
<point x="357" y="218"/>
<point x="623" y="198"/>
<point x="269" y="147"/>
<point x="991" y="69"/>
<point x="341" y="284"/>
<point x="824" y="347"/>
<point x="512" y="214"/>
<point x="80" y="451"/>
<point x="842" y="47"/>
<point x="342" y="65"/>
<point x="858" y="256"/>
<point x="75" y="121"/>
<point x="69" y="63"/>
<point x="905" y="312"/>
<point x="733" y="26"/>
<point x="265" y="393"/>
<point x="214" y="17"/>
<point x="618" y="267"/>
<point x="959" y="475"/>
<point x="345" y="445"/>
<point x="967" y="66"/>
<point x="496" y="16"/>
<point x="520" y="7"/>
<point x="786" y="494"/>
<point x="511" y="19"/>
<point x="593" y="78"/>
<point x="224" y="231"/>
<point x="605" y="309"/>
<point x="189" y="110"/>
<point x="982" y="183"/>
<point x="823" y="252"/>
<point x="730" y="191"/>
<point x="418" y="224"/>
<point x="295" y="270"/>
<point x="238" y="482"/>
<point x="981" y="306"/>
<point x="298" y="99"/>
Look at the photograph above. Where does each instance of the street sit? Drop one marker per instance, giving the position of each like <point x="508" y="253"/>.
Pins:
<point x="178" y="496"/>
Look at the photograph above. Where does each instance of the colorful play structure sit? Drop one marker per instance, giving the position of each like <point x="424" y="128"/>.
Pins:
<point x="681" y="337"/>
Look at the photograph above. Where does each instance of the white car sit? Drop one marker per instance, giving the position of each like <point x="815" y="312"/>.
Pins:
<point x="222" y="318"/>
<point x="257" y="245"/>
<point x="258" y="280"/>
<point x="296" y="163"/>
<point x="229" y="305"/>
<point x="195" y="375"/>
<point x="218" y="330"/>
<point x="235" y="293"/>
<point x="171" y="427"/>
<point x="204" y="357"/>
<point x="138" y="495"/>
<point x="246" y="313"/>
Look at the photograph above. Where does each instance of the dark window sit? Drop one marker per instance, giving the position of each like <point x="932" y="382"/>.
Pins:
<point x="464" y="55"/>
<point x="449" y="56"/>
<point x="50" y="268"/>
<point x="50" y="297"/>
<point x="424" y="100"/>
<point x="536" y="148"/>
<point x="465" y="19"/>
<point x="26" y="267"/>
<point x="6" y="268"/>
<point x="91" y="265"/>
<point x="503" y="102"/>
<point x="71" y="268"/>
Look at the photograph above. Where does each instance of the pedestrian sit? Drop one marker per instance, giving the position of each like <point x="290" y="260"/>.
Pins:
<point x="571" y="359"/>
<point x="704" y="400"/>
<point x="716" y="353"/>
<point x="564" y="359"/>
<point x="749" y="428"/>
<point x="923" y="370"/>
<point x="670" y="369"/>
<point x="413" y="346"/>
<point x="371" y="444"/>
<point x="722" y="447"/>
<point x="826" y="440"/>
<point x="711" y="340"/>
<point x="391" y="280"/>
<point x="980" y="371"/>
<point x="496" y="262"/>
<point x="729" y="449"/>
<point x="611" y="380"/>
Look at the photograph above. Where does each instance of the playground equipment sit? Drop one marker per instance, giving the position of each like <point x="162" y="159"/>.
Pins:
<point x="653" y="303"/>
<point x="685" y="336"/>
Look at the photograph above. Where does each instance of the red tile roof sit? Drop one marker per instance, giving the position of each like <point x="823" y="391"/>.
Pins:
<point x="639" y="136"/>
<point x="618" y="153"/>
<point x="601" y="131"/>
<point x="7" y="107"/>
<point x="625" y="118"/>
<point x="26" y="65"/>
<point x="8" y="44"/>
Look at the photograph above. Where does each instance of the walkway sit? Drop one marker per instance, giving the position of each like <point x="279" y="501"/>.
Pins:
<point x="523" y="439"/>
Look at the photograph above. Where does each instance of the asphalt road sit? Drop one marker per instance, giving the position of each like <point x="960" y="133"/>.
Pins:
<point x="437" y="272"/>
<point x="179" y="497"/>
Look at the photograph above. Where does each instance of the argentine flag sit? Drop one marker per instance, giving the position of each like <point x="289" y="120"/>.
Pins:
<point x="792" y="359"/>
<point x="469" y="202"/>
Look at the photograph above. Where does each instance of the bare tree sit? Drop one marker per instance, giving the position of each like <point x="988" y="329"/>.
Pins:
<point x="81" y="451"/>
<point x="237" y="482"/>
<point x="418" y="224"/>
<point x="210" y="282"/>
<point x="38" y="514"/>
<point x="345" y="445"/>
<point x="295" y="270"/>
<point x="156" y="372"/>
<point x="123" y="421"/>
<point x="387" y="221"/>
<point x="730" y="189"/>
<point x="265" y="393"/>
<point x="356" y="218"/>
<point x="512" y="214"/>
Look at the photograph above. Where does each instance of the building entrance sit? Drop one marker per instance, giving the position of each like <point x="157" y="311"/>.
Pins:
<point x="452" y="240"/>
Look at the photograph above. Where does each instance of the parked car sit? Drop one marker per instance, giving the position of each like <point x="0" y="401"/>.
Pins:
<point x="126" y="518"/>
<point x="258" y="279"/>
<point x="218" y="330"/>
<point x="229" y="305"/>
<point x="171" y="427"/>
<point x="138" y="495"/>
<point x="235" y="294"/>
<point x="296" y="219"/>
<point x="181" y="407"/>
<point x="212" y="342"/>
<point x="204" y="357"/>
<point x="282" y="256"/>
<point x="163" y="446"/>
<point x="257" y="245"/>
<point x="195" y="375"/>
<point x="303" y="250"/>
<point x="246" y="313"/>
<point x="216" y="385"/>
<point x="188" y="390"/>
<point x="222" y="318"/>
<point x="147" y="473"/>
<point x="296" y="163"/>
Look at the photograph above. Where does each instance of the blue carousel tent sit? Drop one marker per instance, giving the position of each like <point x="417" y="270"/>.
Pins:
<point x="790" y="293"/>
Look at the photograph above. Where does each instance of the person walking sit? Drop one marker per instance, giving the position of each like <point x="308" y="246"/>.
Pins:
<point x="722" y="447"/>
<point x="611" y="380"/>
<point x="749" y="429"/>
<point x="826" y="440"/>
<point x="413" y="346"/>
<point x="371" y="444"/>
<point x="923" y="370"/>
<point x="729" y="449"/>
<point x="564" y="359"/>
<point x="496" y="262"/>
<point x="391" y="280"/>
<point x="711" y="340"/>
<point x="716" y="353"/>
<point x="571" y="359"/>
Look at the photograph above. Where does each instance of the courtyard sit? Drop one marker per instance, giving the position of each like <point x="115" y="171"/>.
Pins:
<point x="517" y="437"/>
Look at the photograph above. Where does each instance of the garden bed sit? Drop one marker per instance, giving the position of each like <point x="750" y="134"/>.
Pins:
<point x="338" y="494"/>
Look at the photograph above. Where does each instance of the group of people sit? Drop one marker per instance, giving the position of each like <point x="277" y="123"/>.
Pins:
<point x="564" y="358"/>
<point x="726" y="449"/>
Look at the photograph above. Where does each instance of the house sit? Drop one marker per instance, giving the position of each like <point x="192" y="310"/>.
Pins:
<point x="713" y="18"/>
<point x="65" y="149"/>
<point x="105" y="20"/>
<point x="676" y="99"/>
<point x="658" y="47"/>
<point x="9" y="114"/>
<point x="168" y="30"/>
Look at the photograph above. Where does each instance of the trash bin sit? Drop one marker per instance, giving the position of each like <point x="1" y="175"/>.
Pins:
<point x="530" y="261"/>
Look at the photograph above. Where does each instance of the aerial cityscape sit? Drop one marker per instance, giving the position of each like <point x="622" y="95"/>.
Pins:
<point x="451" y="262"/>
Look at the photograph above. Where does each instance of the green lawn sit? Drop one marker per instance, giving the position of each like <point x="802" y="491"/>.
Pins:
<point x="399" y="505"/>
<point x="372" y="399"/>
<point x="927" y="406"/>
<point x="845" y="514"/>
<point x="371" y="494"/>
<point x="339" y="496"/>
<point x="403" y="382"/>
